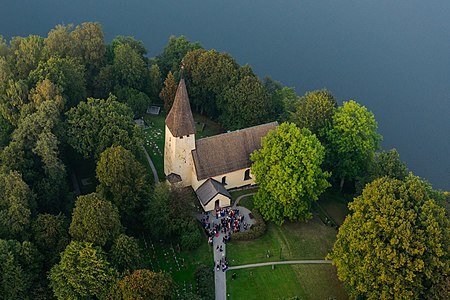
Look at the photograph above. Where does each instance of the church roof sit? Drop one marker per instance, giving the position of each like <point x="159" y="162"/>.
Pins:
<point x="179" y="120"/>
<point x="209" y="189"/>
<point x="228" y="152"/>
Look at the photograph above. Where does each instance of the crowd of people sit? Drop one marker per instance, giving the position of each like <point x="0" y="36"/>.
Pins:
<point x="230" y="222"/>
<point x="226" y="221"/>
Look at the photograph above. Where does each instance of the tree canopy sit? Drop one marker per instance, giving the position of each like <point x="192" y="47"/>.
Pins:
<point x="94" y="220"/>
<point x="395" y="243"/>
<point x="16" y="206"/>
<point x="83" y="272"/>
<point x="97" y="124"/>
<point x="314" y="111"/>
<point x="288" y="171"/>
<point x="123" y="180"/>
<point x="143" y="284"/>
<point x="351" y="141"/>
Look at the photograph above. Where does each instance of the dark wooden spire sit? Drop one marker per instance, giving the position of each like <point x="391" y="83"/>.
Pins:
<point x="179" y="120"/>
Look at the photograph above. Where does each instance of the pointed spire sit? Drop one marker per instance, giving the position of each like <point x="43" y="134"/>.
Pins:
<point x="179" y="120"/>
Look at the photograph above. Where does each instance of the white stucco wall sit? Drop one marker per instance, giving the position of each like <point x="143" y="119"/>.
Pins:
<point x="223" y="202"/>
<point x="233" y="179"/>
<point x="178" y="156"/>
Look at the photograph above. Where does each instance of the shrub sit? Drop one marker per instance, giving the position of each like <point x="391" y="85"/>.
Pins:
<point x="205" y="282"/>
<point x="256" y="231"/>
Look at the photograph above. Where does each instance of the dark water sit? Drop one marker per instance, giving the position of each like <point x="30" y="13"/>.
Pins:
<point x="391" y="56"/>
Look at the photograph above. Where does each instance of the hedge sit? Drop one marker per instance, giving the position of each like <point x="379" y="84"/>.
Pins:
<point x="256" y="231"/>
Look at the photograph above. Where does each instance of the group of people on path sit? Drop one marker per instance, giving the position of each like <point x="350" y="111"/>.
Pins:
<point x="230" y="222"/>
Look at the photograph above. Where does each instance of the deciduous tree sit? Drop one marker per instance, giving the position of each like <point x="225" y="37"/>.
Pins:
<point x="94" y="220"/>
<point x="395" y="243"/>
<point x="351" y="141"/>
<point x="288" y="171"/>
<point x="244" y="105"/>
<point x="98" y="124"/>
<point x="314" y="111"/>
<point x="82" y="273"/>
<point x="16" y="206"/>
<point x="126" y="253"/>
<point x="143" y="284"/>
<point x="123" y="180"/>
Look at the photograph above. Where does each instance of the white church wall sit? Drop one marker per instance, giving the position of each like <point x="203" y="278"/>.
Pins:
<point x="223" y="202"/>
<point x="233" y="179"/>
<point x="178" y="156"/>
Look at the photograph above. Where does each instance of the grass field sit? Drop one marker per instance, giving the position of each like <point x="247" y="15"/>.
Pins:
<point x="286" y="281"/>
<point x="264" y="283"/>
<point x="293" y="240"/>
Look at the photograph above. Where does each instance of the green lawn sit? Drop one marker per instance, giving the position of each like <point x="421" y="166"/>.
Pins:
<point x="292" y="240"/>
<point x="286" y="281"/>
<point x="264" y="283"/>
<point x="312" y="240"/>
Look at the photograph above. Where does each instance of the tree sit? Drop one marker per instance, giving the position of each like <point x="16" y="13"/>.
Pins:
<point x="244" y="105"/>
<point x="155" y="85"/>
<point x="20" y="270"/>
<point x="59" y="41"/>
<point x="129" y="67"/>
<point x="143" y="284"/>
<point x="123" y="180"/>
<point x="173" y="53"/>
<point x="157" y="215"/>
<point x="126" y="253"/>
<point x="67" y="73"/>
<point x="98" y="124"/>
<point x="16" y="206"/>
<point x="288" y="172"/>
<point x="385" y="163"/>
<point x="167" y="94"/>
<point x="136" y="100"/>
<point x="283" y="99"/>
<point x="136" y="45"/>
<point x="208" y="74"/>
<point x="13" y="99"/>
<point x="351" y="141"/>
<point x="94" y="220"/>
<point x="395" y="243"/>
<point x="50" y="233"/>
<point x="82" y="273"/>
<point x="28" y="52"/>
<point x="314" y="111"/>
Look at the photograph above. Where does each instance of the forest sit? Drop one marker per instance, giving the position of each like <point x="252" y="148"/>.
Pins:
<point x="68" y="101"/>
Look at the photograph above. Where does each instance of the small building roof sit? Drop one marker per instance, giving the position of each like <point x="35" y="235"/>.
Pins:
<point x="209" y="189"/>
<point x="173" y="178"/>
<point x="228" y="152"/>
<point x="179" y="120"/>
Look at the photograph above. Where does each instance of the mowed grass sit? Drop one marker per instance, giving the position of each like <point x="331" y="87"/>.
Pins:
<point x="335" y="204"/>
<point x="319" y="281"/>
<point x="293" y="240"/>
<point x="264" y="283"/>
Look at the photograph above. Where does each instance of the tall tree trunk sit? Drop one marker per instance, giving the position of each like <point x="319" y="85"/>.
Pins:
<point x="342" y="184"/>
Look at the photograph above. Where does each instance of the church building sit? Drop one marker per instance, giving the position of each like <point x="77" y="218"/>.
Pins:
<point x="212" y="165"/>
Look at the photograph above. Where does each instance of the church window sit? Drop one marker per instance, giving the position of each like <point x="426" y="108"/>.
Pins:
<point x="181" y="137"/>
<point x="187" y="135"/>
<point x="224" y="180"/>
<point x="247" y="175"/>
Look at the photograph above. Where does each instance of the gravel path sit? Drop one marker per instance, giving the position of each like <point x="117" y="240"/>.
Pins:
<point x="152" y="166"/>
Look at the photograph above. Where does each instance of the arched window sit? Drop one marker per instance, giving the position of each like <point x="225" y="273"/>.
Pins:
<point x="247" y="175"/>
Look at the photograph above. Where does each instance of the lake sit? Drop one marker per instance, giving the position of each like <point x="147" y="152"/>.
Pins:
<point x="391" y="56"/>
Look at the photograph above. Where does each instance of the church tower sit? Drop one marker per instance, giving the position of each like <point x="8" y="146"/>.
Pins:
<point x="180" y="138"/>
